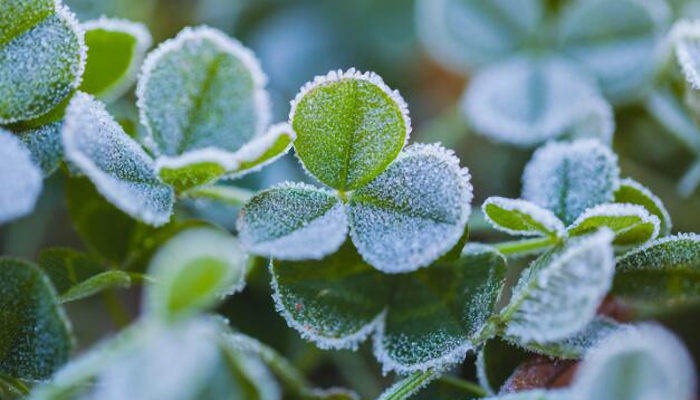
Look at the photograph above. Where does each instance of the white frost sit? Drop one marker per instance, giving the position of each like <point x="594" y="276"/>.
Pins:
<point x="20" y="178"/>
<point x="685" y="36"/>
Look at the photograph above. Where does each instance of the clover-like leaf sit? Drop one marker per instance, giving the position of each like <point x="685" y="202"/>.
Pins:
<point x="631" y="224"/>
<point x="349" y="127"/>
<point x="558" y="295"/>
<point x="465" y="34"/>
<point x="293" y="222"/>
<point x="45" y="145"/>
<point x="520" y="217"/>
<point x="632" y="192"/>
<point x="193" y="270"/>
<point x="646" y="362"/>
<point x="613" y="40"/>
<point x="202" y="90"/>
<point x="568" y="178"/>
<point x="116" y="49"/>
<point x="424" y="319"/>
<point x="35" y="336"/>
<point x="120" y="169"/>
<point x="685" y="36"/>
<point x="662" y="275"/>
<point x="414" y="212"/>
<point x="524" y="101"/>
<point x="42" y="57"/>
<point x="536" y="394"/>
<point x="20" y="178"/>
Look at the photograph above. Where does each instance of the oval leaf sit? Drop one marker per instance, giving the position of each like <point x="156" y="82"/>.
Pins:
<point x="293" y="222"/>
<point x="568" y="178"/>
<point x="631" y="224"/>
<point x="414" y="212"/>
<point x="349" y="127"/>
<point x="45" y="145"/>
<point x="632" y="192"/>
<point x="20" y="179"/>
<point x="520" y="217"/>
<point x="120" y="169"/>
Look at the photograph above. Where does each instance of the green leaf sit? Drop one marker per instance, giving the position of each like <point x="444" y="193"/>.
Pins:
<point x="20" y="179"/>
<point x="569" y="178"/>
<point x="193" y="270"/>
<point x="350" y="127"/>
<point x="520" y="217"/>
<point x="44" y="143"/>
<point x="631" y="224"/>
<point x="228" y="195"/>
<point x="42" y="56"/>
<point x="613" y="41"/>
<point x="120" y="169"/>
<point x="428" y="318"/>
<point x="496" y="362"/>
<point x="660" y="276"/>
<point x="201" y="90"/>
<point x="76" y="275"/>
<point x="116" y="49"/>
<point x="558" y="295"/>
<point x="414" y="212"/>
<point x="293" y="222"/>
<point x="35" y="336"/>
<point x="632" y="192"/>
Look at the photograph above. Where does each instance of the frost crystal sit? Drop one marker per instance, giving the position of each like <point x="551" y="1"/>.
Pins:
<point x="520" y="217"/>
<point x="685" y="36"/>
<point x="45" y="145"/>
<point x="631" y="224"/>
<point x="568" y="178"/>
<point x="412" y="213"/>
<point x="20" y="178"/>
<point x="120" y="169"/>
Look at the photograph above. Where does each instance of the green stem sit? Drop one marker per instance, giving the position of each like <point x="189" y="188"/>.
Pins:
<point x="469" y="387"/>
<point x="409" y="386"/>
<point x="229" y="195"/>
<point x="13" y="385"/>
<point x="525" y="245"/>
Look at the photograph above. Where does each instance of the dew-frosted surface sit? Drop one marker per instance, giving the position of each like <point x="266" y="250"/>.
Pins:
<point x="520" y="217"/>
<point x="202" y="89"/>
<point x="568" y="178"/>
<point x="560" y="292"/>
<point x="413" y="212"/>
<point x="632" y="192"/>
<point x="631" y="224"/>
<point x="120" y="169"/>
<point x="293" y="222"/>
<point x="45" y="145"/>
<point x="39" y="66"/>
<point x="20" y="178"/>
<point x="525" y="101"/>
<point x="686" y="39"/>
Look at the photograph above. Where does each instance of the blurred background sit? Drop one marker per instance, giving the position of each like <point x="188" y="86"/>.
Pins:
<point x="296" y="40"/>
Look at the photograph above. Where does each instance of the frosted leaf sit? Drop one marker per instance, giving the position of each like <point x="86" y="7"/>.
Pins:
<point x="496" y="361"/>
<point x="42" y="57"/>
<point x="45" y="145"/>
<point x="668" y="109"/>
<point x="36" y="336"/>
<point x="202" y="89"/>
<point x="643" y="363"/>
<point x="414" y="212"/>
<point x="559" y="294"/>
<point x="631" y="224"/>
<point x="536" y="394"/>
<point x="568" y="178"/>
<point x="264" y="150"/>
<point x="520" y="217"/>
<point x="465" y="34"/>
<point x="632" y="192"/>
<point x="661" y="275"/>
<point x="193" y="270"/>
<point x="20" y="179"/>
<point x="614" y="40"/>
<point x="595" y="120"/>
<point x="350" y="126"/>
<point x="120" y="169"/>
<point x="293" y="222"/>
<point x="685" y="36"/>
<point x="116" y="49"/>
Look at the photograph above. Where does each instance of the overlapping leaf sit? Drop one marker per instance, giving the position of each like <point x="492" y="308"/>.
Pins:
<point x="45" y="145"/>
<point x="20" y="178"/>
<point x="519" y="217"/>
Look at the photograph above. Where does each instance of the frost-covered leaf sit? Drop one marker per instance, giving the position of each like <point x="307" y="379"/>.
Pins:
<point x="558" y="295"/>
<point x="349" y="127"/>
<point x="45" y="145"/>
<point x="42" y="57"/>
<point x="263" y="150"/>
<point x="631" y="224"/>
<point x="524" y="101"/>
<point x="536" y="394"/>
<point x="116" y="49"/>
<point x="293" y="222"/>
<point x="120" y="169"/>
<point x="496" y="361"/>
<point x="76" y="275"/>
<point x="615" y="41"/>
<point x="414" y="212"/>
<point x="193" y="270"/>
<point x="201" y="90"/>
<point x="632" y="192"/>
<point x="428" y="318"/>
<point x="686" y="41"/>
<point x="465" y="34"/>
<point x="35" y="336"/>
<point x="668" y="109"/>
<point x="20" y="178"/>
<point x="520" y="217"/>
<point x="568" y="178"/>
<point x="660" y="276"/>
<point x="647" y="362"/>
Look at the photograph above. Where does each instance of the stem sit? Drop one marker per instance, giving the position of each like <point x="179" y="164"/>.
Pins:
<point x="408" y="386"/>
<point x="525" y="246"/>
<point x="13" y="385"/>
<point x="117" y="312"/>
<point x="469" y="387"/>
<point x="229" y="195"/>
